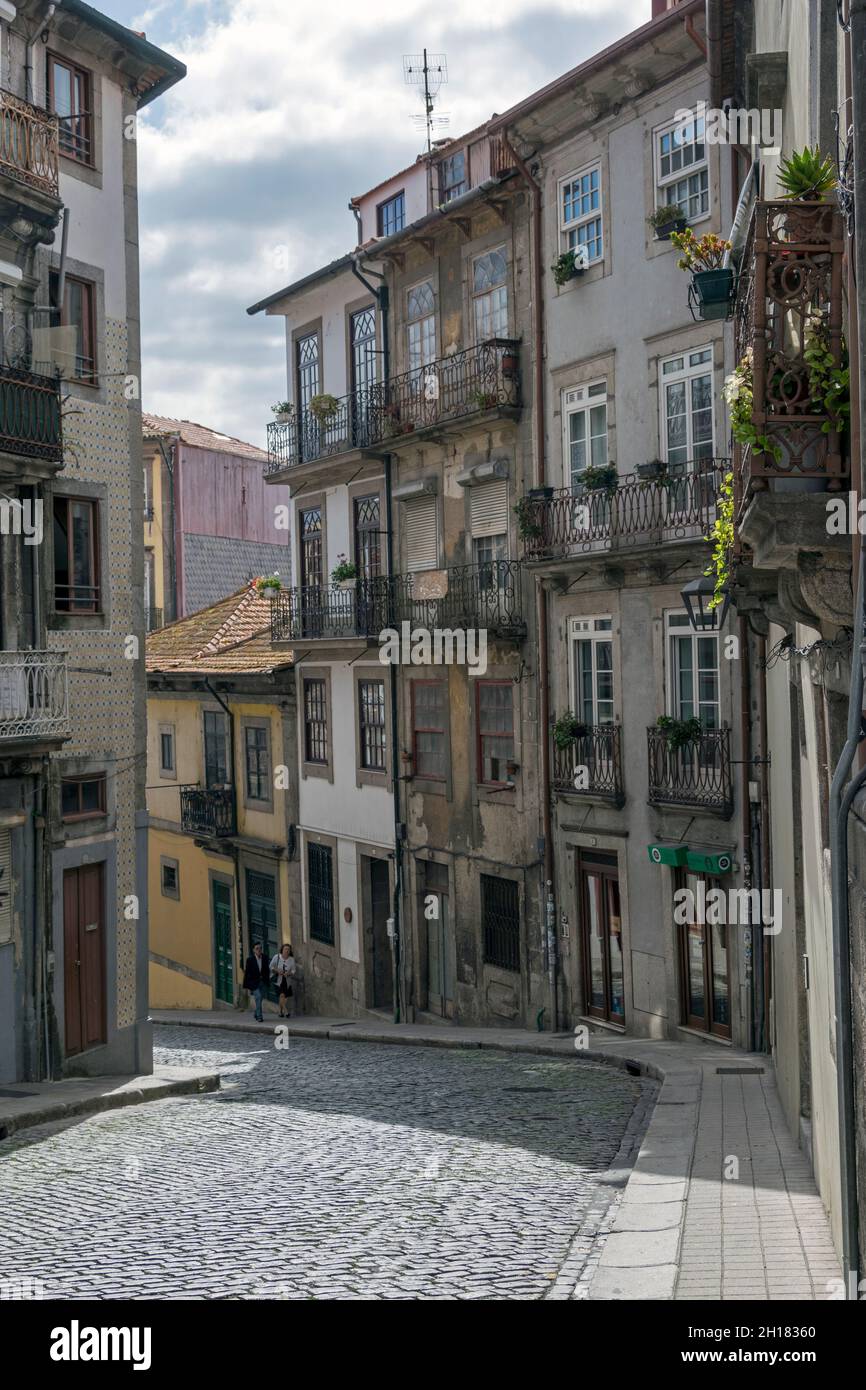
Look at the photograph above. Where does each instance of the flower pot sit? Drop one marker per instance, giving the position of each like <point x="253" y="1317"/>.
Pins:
<point x="714" y="290"/>
<point x="540" y="494"/>
<point x="408" y="427"/>
<point x="509" y="364"/>
<point x="663" y="233"/>
<point x="347" y="583"/>
<point x="283" y="417"/>
<point x="650" y="470"/>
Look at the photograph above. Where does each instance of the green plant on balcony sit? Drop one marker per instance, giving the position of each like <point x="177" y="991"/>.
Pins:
<point x="738" y="394"/>
<point x="565" y="268"/>
<point x="807" y="175"/>
<point x="324" y="407"/>
<point x="721" y="538"/>
<point x="712" y="281"/>
<point x="283" y="412"/>
<point x="267" y="585"/>
<point x="829" y="381"/>
<point x="567" y="729"/>
<point x="529" y="525"/>
<point x="485" y="400"/>
<point x="679" y="732"/>
<point x="602" y="479"/>
<point x="343" y="571"/>
<point x="667" y="219"/>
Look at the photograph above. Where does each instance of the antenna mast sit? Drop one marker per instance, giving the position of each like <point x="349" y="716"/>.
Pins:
<point x="427" y="71"/>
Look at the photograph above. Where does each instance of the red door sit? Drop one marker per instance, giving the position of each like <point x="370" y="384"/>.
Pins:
<point x="84" y="957"/>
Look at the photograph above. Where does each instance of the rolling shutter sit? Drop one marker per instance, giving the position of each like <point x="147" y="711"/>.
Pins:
<point x="488" y="508"/>
<point x="5" y="885"/>
<point x="422" y="540"/>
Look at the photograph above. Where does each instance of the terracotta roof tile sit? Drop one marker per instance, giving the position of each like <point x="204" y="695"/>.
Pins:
<point x="200" y="437"/>
<point x="232" y="635"/>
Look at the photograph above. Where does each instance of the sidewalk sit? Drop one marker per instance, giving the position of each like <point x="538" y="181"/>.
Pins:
<point x="720" y="1203"/>
<point x="28" y="1103"/>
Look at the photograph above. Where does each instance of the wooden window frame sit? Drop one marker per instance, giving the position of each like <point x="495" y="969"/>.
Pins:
<point x="380" y="208"/>
<point x="432" y="778"/>
<point x="81" y="814"/>
<point x="371" y="776"/>
<point x="257" y="803"/>
<point x="169" y="772"/>
<point x="308" y="768"/>
<point x="229" y="782"/>
<point x="90" y="341"/>
<point x="166" y="862"/>
<point x="480" y="735"/>
<point x="94" y="606"/>
<point x="88" y="117"/>
<point x="709" y="1027"/>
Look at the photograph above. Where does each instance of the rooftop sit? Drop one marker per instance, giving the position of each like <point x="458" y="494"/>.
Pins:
<point x="199" y="437"/>
<point x="232" y="637"/>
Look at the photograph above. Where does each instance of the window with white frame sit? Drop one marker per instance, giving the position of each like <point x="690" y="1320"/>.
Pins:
<point x="686" y="383"/>
<point x="421" y="325"/>
<point x="490" y="295"/>
<point x="584" y="419"/>
<point x="681" y="170"/>
<point x="693" y="672"/>
<point x="591" y="670"/>
<point x="580" y="213"/>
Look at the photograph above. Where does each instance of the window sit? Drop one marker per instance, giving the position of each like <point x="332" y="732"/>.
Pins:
<point x="306" y="387"/>
<point x="166" y="750"/>
<point x="257" y="762"/>
<point x="148" y="491"/>
<point x="490" y="296"/>
<point x="500" y="920"/>
<point x="428" y="729"/>
<point x="452" y="177"/>
<point x="592" y="670"/>
<point x="391" y="215"/>
<point x="420" y="533"/>
<point x="488" y="525"/>
<point x="368" y="531"/>
<point x="76" y="555"/>
<point x="421" y="325"/>
<point x="169" y="877"/>
<point x="705" y="992"/>
<point x="77" y="313"/>
<point x="216" y="750"/>
<point x="495" y="713"/>
<point x="584" y="414"/>
<point x="580" y="213"/>
<point x="371" y="716"/>
<point x="320" y="892"/>
<point x="682" y="176"/>
<point x="70" y="98"/>
<point x="687" y="408"/>
<point x="315" y="722"/>
<point x="82" y="796"/>
<point x="693" y="686"/>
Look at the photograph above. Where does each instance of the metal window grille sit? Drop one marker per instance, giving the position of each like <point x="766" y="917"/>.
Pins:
<point x="371" y="705"/>
<point x="500" y="917"/>
<point x="320" y="887"/>
<point x="315" y="722"/>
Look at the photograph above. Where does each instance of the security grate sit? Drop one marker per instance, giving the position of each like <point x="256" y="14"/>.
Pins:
<point x="321" y="893"/>
<point x="500" y="916"/>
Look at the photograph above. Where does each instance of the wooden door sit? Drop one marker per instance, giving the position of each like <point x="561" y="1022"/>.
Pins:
<point x="84" y="956"/>
<point x="222" y="942"/>
<point x="601" y="937"/>
<point x="382" y="969"/>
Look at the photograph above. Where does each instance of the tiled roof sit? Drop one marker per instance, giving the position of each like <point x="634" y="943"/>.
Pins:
<point x="233" y="635"/>
<point x="200" y="437"/>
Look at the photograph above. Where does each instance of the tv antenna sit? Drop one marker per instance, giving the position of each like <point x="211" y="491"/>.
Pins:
<point x="428" y="71"/>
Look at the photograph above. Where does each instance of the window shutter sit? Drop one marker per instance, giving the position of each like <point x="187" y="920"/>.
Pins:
<point x="488" y="508"/>
<point x="422" y="540"/>
<point x="5" y="885"/>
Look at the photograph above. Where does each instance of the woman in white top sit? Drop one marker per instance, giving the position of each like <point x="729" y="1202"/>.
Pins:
<point x="283" y="971"/>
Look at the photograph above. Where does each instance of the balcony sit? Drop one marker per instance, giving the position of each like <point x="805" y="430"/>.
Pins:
<point x="29" y="142"/>
<point x="596" y="757"/>
<point x="486" y="597"/>
<point x="638" y="514"/>
<point x="479" y="380"/>
<point x="697" y="775"/>
<point x="208" y="812"/>
<point x="30" y="424"/>
<point x="789" y="298"/>
<point x="33" y="696"/>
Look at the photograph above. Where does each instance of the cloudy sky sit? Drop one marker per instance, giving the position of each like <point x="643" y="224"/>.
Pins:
<point x="291" y="107"/>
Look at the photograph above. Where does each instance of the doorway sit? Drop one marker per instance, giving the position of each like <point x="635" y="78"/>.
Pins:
<point x="84" y="957"/>
<point x="601" y="936"/>
<point x="221" y="895"/>
<point x="377" y="910"/>
<point x="436" y="917"/>
<point x="705" y="989"/>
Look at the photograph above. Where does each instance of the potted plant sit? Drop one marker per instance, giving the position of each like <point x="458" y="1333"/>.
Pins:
<point x="666" y="219"/>
<point x="324" y="407"/>
<point x="737" y="393"/>
<point x="509" y="364"/>
<point x="713" y="282"/>
<point x="653" y="468"/>
<point x="605" y="479"/>
<point x="485" y="400"/>
<point x="282" y="412"/>
<point x="806" y="176"/>
<point x="566" y="267"/>
<point x="267" y="586"/>
<point x="344" y="575"/>
<point x="679" y="732"/>
<point x="529" y="525"/>
<point x="566" y="729"/>
<point x="540" y="494"/>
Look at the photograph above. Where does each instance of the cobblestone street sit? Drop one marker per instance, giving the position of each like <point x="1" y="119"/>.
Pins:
<point x="329" y="1170"/>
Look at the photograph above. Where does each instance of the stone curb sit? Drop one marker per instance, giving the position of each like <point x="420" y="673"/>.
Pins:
<point x="56" y="1110"/>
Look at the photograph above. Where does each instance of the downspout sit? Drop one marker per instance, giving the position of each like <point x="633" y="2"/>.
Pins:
<point x="30" y="43"/>
<point x="761" y="957"/>
<point x="714" y="50"/>
<point x="746" y="746"/>
<point x="548" y="912"/>
<point x="168" y="458"/>
<point x="235" y="852"/>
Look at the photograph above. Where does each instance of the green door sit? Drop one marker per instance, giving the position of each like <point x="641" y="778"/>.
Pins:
<point x="262" y="917"/>
<point x="222" y="937"/>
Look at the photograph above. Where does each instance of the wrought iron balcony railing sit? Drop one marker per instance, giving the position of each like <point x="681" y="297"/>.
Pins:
<point x="207" y="811"/>
<point x="591" y="765"/>
<point x="486" y="596"/>
<point x="30" y="415"/>
<point x="480" y="378"/>
<point x="637" y="513"/>
<point x="697" y="774"/>
<point x="29" y="140"/>
<point x="789" y="301"/>
<point x="34" y="700"/>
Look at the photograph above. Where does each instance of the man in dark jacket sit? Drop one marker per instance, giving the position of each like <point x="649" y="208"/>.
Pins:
<point x="257" y="973"/>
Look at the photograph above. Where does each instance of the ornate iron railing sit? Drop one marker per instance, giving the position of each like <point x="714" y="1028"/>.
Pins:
<point x="483" y="377"/>
<point x="637" y="513"/>
<point x="486" y="596"/>
<point x="29" y="141"/>
<point x="34" y="700"/>
<point x="30" y="414"/>
<point x="207" y="811"/>
<point x="789" y="290"/>
<point x="591" y="765"/>
<point x="697" y="774"/>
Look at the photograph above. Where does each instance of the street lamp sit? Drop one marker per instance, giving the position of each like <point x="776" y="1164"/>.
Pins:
<point x="696" y="598"/>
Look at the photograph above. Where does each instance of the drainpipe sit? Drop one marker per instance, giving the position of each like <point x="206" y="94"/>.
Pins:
<point x="169" y="458"/>
<point x="548" y="896"/>
<point x="235" y="852"/>
<point x="30" y="43"/>
<point x="714" y="50"/>
<point x="761" y="956"/>
<point x="746" y="746"/>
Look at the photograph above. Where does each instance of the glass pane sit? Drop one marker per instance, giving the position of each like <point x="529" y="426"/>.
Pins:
<point x="617" y="984"/>
<point x="695" y="968"/>
<point x="596" y="942"/>
<point x="721" y="998"/>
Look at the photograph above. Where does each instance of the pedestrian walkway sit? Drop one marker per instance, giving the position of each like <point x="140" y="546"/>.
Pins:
<point x="28" y="1103"/>
<point x="720" y="1203"/>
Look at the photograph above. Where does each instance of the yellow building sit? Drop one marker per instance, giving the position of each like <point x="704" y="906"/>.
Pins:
<point x="221" y="800"/>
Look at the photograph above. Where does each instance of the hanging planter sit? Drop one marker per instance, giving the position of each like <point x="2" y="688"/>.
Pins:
<point x="711" y="295"/>
<point x="567" y="729"/>
<point x="667" y="219"/>
<point x="714" y="292"/>
<point x="324" y="407"/>
<point x="509" y="364"/>
<point x="604" y="479"/>
<point x="567" y="267"/>
<point x="654" y="468"/>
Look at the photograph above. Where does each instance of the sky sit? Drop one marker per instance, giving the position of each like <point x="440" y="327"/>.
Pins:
<point x="288" y="110"/>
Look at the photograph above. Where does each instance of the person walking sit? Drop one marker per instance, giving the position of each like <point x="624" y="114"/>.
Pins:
<point x="256" y="977"/>
<point x="283" y="970"/>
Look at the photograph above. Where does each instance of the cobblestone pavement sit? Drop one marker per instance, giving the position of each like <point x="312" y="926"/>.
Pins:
<point x="329" y="1170"/>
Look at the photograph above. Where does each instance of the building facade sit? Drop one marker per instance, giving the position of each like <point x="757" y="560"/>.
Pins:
<point x="72" y="841"/>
